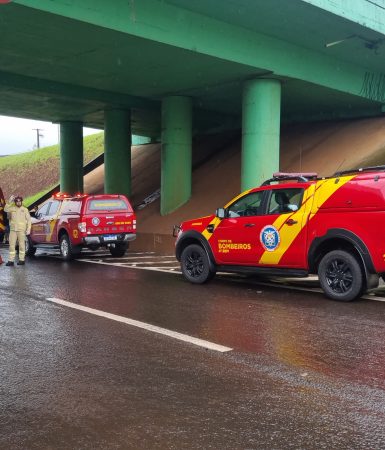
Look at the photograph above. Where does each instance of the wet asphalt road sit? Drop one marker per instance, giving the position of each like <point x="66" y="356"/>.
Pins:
<point x="303" y="373"/>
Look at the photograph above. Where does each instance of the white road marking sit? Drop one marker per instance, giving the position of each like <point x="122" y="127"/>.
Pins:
<point x="135" y="258"/>
<point x="127" y="266"/>
<point x="143" y="325"/>
<point x="176" y="270"/>
<point x="374" y="298"/>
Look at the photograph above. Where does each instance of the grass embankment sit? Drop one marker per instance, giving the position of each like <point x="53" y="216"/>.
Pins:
<point x="33" y="173"/>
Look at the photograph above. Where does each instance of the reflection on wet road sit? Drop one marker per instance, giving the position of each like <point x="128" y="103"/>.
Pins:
<point x="304" y="372"/>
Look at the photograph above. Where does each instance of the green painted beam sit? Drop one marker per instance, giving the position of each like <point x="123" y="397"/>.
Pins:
<point x="183" y="28"/>
<point x="260" y="131"/>
<point x="337" y="114"/>
<point x="27" y="83"/>
<point x="117" y="152"/>
<point x="176" y="153"/>
<point x="71" y="157"/>
<point x="369" y="14"/>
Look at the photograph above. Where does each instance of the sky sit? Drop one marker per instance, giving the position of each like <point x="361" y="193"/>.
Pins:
<point x="20" y="135"/>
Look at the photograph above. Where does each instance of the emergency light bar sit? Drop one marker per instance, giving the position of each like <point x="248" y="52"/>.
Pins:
<point x="301" y="177"/>
<point x="307" y="175"/>
<point x="61" y="195"/>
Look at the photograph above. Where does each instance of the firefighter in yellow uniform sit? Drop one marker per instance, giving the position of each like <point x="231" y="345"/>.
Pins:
<point x="19" y="228"/>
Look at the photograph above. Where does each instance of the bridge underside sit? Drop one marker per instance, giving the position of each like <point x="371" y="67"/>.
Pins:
<point x="56" y="68"/>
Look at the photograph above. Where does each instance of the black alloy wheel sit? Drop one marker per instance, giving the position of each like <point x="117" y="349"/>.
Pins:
<point x="195" y="264"/>
<point x="340" y="276"/>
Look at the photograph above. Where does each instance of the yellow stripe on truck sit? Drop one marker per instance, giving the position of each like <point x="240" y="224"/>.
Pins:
<point x="216" y="221"/>
<point x="322" y="191"/>
<point x="325" y="189"/>
<point x="288" y="233"/>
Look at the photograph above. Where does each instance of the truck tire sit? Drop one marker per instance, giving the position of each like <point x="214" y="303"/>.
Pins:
<point x="195" y="264"/>
<point x="30" y="250"/>
<point x="340" y="276"/>
<point x="118" y="250"/>
<point x="67" y="250"/>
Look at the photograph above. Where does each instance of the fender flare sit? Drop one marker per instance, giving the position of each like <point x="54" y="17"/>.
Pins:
<point x="348" y="236"/>
<point x="194" y="236"/>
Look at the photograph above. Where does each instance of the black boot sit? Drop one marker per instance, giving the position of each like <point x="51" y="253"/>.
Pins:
<point x="21" y="263"/>
<point x="10" y="263"/>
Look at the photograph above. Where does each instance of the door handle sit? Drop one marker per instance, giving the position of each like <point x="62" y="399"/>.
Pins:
<point x="291" y="222"/>
<point x="248" y="225"/>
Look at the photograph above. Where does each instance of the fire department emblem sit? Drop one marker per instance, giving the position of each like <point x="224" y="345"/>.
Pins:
<point x="269" y="238"/>
<point x="95" y="221"/>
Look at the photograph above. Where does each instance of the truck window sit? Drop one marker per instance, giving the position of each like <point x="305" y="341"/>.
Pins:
<point x="54" y="207"/>
<point x="43" y="210"/>
<point x="71" y="206"/>
<point x="249" y="205"/>
<point x="109" y="204"/>
<point x="285" y="200"/>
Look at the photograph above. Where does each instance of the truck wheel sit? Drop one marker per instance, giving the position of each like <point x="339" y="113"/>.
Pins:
<point x="340" y="276"/>
<point x="30" y="250"/>
<point x="118" y="250"/>
<point x="195" y="264"/>
<point x="67" y="250"/>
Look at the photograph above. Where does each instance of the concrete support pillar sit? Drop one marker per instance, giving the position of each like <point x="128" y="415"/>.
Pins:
<point x="117" y="152"/>
<point x="261" y="117"/>
<point x="176" y="153"/>
<point x="71" y="157"/>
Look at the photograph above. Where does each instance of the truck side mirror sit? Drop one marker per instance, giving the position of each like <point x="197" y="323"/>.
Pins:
<point x="220" y="213"/>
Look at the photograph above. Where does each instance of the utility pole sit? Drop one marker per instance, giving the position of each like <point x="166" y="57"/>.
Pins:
<point x="38" y="135"/>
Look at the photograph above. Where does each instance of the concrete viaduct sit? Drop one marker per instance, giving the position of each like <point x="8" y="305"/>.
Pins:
<point x="174" y="69"/>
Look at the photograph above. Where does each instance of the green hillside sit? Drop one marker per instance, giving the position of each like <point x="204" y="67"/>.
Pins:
<point x="32" y="173"/>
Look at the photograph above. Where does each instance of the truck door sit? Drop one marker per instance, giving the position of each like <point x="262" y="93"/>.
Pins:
<point x="284" y="235"/>
<point x="265" y="228"/>
<point x="44" y="222"/>
<point x="236" y="239"/>
<point x="39" y="223"/>
<point x="51" y="222"/>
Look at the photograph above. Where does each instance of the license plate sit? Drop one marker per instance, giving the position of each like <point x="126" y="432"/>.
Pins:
<point x="110" y="237"/>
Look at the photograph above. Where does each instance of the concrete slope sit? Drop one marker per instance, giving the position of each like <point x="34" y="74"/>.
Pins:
<point x="318" y="147"/>
<point x="328" y="147"/>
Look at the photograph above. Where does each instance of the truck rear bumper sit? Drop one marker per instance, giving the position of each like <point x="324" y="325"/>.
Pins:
<point x="104" y="239"/>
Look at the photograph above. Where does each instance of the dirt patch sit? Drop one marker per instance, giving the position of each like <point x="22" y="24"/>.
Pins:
<point x="27" y="180"/>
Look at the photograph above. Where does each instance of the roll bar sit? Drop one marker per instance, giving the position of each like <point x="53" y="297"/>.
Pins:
<point x="302" y="177"/>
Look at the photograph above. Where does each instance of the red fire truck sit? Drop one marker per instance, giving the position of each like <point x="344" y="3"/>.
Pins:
<point x="71" y="223"/>
<point x="295" y="225"/>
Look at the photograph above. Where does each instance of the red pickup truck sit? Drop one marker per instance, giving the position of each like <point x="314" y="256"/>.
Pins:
<point x="295" y="225"/>
<point x="91" y="221"/>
